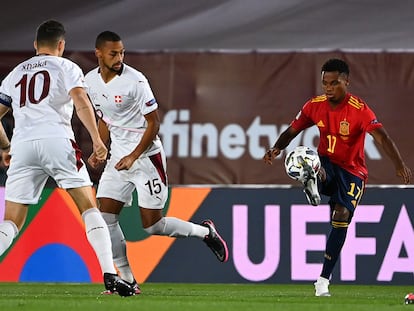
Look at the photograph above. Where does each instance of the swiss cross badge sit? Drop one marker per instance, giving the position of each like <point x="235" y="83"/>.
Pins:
<point x="118" y="99"/>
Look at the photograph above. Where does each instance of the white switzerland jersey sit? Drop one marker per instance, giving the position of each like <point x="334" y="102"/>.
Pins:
<point x="38" y="92"/>
<point x="122" y="104"/>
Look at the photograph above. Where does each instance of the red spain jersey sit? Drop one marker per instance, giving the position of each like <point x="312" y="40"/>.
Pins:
<point x="342" y="130"/>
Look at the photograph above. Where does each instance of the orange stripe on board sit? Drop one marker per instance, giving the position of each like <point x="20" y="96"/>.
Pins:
<point x="145" y="255"/>
<point x="70" y="204"/>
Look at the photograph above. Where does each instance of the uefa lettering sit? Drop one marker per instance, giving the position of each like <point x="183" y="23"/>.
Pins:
<point x="358" y="246"/>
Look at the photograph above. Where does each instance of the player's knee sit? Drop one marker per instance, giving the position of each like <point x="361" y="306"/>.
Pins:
<point x="157" y="228"/>
<point x="340" y="213"/>
<point x="341" y="217"/>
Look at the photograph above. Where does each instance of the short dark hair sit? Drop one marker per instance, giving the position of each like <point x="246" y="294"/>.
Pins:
<point x="106" y="36"/>
<point x="335" y="64"/>
<point x="49" y="33"/>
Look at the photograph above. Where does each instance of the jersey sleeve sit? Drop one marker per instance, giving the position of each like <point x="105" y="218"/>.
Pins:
<point x="370" y="120"/>
<point x="146" y="97"/>
<point x="5" y="98"/>
<point x="89" y="81"/>
<point x="303" y="119"/>
<point x="73" y="76"/>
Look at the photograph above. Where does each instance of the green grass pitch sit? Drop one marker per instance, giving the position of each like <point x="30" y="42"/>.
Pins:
<point x="211" y="297"/>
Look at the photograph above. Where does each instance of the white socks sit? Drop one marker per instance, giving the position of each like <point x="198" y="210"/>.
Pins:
<point x="118" y="246"/>
<point x="167" y="226"/>
<point x="98" y="236"/>
<point x="8" y="231"/>
<point x="175" y="227"/>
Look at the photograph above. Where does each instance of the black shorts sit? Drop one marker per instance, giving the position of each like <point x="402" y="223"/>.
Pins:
<point x="341" y="186"/>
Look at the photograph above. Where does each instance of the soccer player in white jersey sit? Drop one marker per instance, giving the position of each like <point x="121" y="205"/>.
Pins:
<point x="41" y="92"/>
<point x="129" y="120"/>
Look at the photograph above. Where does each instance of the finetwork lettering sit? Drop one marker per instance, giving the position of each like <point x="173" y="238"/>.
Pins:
<point x="184" y="139"/>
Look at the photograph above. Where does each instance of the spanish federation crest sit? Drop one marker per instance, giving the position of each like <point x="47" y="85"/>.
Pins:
<point x="344" y="128"/>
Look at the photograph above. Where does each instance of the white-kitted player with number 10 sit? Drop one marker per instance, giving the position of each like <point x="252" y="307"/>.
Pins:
<point x="129" y="119"/>
<point x="42" y="92"/>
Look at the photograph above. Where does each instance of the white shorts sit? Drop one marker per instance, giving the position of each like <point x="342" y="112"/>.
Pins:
<point x="147" y="175"/>
<point x="34" y="161"/>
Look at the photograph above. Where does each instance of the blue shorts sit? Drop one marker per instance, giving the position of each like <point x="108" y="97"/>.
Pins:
<point x="341" y="186"/>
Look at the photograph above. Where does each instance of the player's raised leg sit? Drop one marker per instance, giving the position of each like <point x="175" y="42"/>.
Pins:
<point x="155" y="223"/>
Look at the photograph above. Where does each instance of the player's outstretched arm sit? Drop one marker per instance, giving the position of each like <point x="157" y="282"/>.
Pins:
<point x="281" y="143"/>
<point x="381" y="137"/>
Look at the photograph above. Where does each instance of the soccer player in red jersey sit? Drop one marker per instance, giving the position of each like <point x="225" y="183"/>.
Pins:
<point x="343" y="120"/>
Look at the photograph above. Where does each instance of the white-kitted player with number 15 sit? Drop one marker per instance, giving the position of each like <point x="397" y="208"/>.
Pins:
<point x="129" y="119"/>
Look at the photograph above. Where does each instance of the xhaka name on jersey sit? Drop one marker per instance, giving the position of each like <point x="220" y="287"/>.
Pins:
<point x="34" y="65"/>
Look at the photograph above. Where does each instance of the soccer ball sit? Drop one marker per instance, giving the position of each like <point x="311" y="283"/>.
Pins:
<point x="297" y="158"/>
